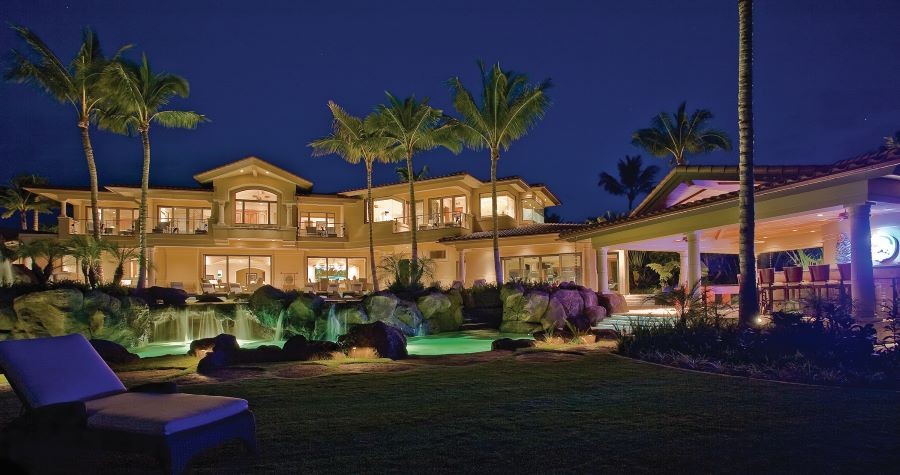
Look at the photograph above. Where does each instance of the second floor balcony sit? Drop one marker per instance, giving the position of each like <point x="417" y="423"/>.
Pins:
<point x="130" y="227"/>
<point x="434" y="221"/>
<point x="321" y="231"/>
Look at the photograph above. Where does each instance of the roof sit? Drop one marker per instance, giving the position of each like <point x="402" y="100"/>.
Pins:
<point x="530" y="230"/>
<point x="164" y="187"/>
<point x="861" y="162"/>
<point x="253" y="163"/>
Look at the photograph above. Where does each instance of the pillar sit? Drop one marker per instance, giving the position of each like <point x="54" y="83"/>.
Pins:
<point x="683" y="269"/>
<point x="151" y="268"/>
<point x="289" y="214"/>
<point x="602" y="263"/>
<point x="220" y="217"/>
<point x="461" y="267"/>
<point x="63" y="211"/>
<point x="862" y="278"/>
<point x="693" y="257"/>
<point x="624" y="273"/>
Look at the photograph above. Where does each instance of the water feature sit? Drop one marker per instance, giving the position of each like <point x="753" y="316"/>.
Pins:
<point x="334" y="327"/>
<point x="242" y="325"/>
<point x="279" y="327"/>
<point x="6" y="273"/>
<point x="196" y="321"/>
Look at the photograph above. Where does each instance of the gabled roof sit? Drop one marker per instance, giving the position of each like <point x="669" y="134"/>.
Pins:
<point x="880" y="159"/>
<point x="530" y="230"/>
<point x="252" y="165"/>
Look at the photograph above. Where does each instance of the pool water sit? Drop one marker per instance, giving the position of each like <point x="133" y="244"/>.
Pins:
<point x="450" y="343"/>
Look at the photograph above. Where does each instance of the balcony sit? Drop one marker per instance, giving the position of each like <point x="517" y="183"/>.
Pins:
<point x="130" y="227"/>
<point x="427" y="222"/>
<point x="317" y="231"/>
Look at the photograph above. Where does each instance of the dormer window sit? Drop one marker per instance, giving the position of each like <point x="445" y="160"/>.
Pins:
<point x="255" y="207"/>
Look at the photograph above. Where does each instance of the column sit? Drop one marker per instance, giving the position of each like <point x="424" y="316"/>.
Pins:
<point x="289" y="214"/>
<point x="862" y="278"/>
<point x="683" y="269"/>
<point x="693" y="257"/>
<point x="151" y="269"/>
<point x="624" y="274"/>
<point x="63" y="212"/>
<point x="601" y="258"/>
<point x="220" y="217"/>
<point x="461" y="267"/>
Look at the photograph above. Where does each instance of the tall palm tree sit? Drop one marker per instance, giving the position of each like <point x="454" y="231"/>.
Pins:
<point x="508" y="108"/>
<point x="78" y="84"/>
<point x="15" y="198"/>
<point x="88" y="252"/>
<point x="680" y="134"/>
<point x="138" y="97"/>
<point x="355" y="143"/>
<point x="748" y="307"/>
<point x="412" y="126"/>
<point x="634" y="179"/>
<point x="121" y="255"/>
<point x="50" y="250"/>
<point x="403" y="174"/>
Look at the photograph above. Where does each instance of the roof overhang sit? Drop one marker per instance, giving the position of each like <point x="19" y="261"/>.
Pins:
<point x="252" y="166"/>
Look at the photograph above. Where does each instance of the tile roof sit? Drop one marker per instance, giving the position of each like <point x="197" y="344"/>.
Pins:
<point x="530" y="230"/>
<point x="842" y="166"/>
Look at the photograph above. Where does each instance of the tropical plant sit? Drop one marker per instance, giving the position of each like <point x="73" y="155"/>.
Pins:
<point x="665" y="271"/>
<point x="412" y="126"/>
<point x="802" y="258"/>
<point x="634" y="179"/>
<point x="354" y="142"/>
<point x="508" y="108"/>
<point x="677" y="135"/>
<point x="47" y="250"/>
<point x="748" y="308"/>
<point x="403" y="174"/>
<point x="15" y="198"/>
<point x="7" y="255"/>
<point x="79" y="84"/>
<point x="88" y="252"/>
<point x="892" y="142"/>
<point x="121" y="255"/>
<point x="139" y="95"/>
<point x="407" y="275"/>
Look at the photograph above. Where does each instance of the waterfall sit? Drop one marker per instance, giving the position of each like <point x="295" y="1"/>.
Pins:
<point x="183" y="324"/>
<point x="6" y="273"/>
<point x="242" y="329"/>
<point x="420" y="329"/>
<point x="209" y="325"/>
<point x="335" y="327"/>
<point x="279" y="327"/>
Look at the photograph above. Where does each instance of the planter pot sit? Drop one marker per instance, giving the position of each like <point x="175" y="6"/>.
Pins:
<point x="844" y="270"/>
<point x="820" y="273"/>
<point x="793" y="275"/>
<point x="766" y="276"/>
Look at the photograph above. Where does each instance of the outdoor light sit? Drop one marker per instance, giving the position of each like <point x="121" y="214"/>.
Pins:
<point x="884" y="247"/>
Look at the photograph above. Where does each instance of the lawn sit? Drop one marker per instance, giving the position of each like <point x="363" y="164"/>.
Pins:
<point x="531" y="414"/>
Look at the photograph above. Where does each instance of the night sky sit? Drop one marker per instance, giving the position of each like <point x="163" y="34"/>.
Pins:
<point x="826" y="81"/>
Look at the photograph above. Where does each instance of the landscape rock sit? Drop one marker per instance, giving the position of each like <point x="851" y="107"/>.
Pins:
<point x="388" y="341"/>
<point x="571" y="300"/>
<point x="614" y="303"/>
<point x="46" y="313"/>
<point x="381" y="306"/>
<point x="303" y="310"/>
<point x="202" y="346"/>
<point x="161" y="296"/>
<point x="509" y="344"/>
<point x="518" y="327"/>
<point x="442" y="312"/>
<point x="225" y="349"/>
<point x="556" y="316"/>
<point x="267" y="303"/>
<point x="580" y="323"/>
<point x="589" y="297"/>
<point x="595" y="314"/>
<point x="112" y="352"/>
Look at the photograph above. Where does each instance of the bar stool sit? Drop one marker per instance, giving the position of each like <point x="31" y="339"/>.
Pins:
<point x="793" y="281"/>
<point x="820" y="279"/>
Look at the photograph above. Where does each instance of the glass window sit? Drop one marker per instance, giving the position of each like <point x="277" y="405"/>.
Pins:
<point x="552" y="269"/>
<point x="183" y="220"/>
<point x="334" y="269"/>
<point x="447" y="210"/>
<point x="249" y="272"/>
<point x="388" y="209"/>
<point x="506" y="205"/>
<point x="533" y="210"/>
<point x="318" y="224"/>
<point x="255" y="207"/>
<point x="114" y="220"/>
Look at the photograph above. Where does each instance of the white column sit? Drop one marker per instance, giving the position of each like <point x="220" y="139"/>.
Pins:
<point x="220" y="218"/>
<point x="601" y="260"/>
<point x="461" y="267"/>
<point x="63" y="213"/>
<point x="693" y="257"/>
<point x="862" y="278"/>
<point x="289" y="215"/>
<point x="683" y="272"/>
<point x="624" y="275"/>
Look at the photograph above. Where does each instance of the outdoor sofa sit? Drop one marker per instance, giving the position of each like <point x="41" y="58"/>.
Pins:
<point x="72" y="400"/>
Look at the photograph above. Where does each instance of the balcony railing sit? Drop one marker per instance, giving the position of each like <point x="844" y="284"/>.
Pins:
<point x="434" y="221"/>
<point x="322" y="230"/>
<point x="130" y="227"/>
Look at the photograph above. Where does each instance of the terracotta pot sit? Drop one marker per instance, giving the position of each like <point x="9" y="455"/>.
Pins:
<point x="793" y="275"/>
<point x="766" y="276"/>
<point x="844" y="269"/>
<point x="820" y="272"/>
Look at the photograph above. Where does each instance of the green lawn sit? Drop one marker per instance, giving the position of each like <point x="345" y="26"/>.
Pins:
<point x="591" y="414"/>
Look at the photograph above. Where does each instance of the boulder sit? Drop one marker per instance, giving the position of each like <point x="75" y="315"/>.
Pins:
<point x="320" y="349"/>
<point x="95" y="300"/>
<point x="433" y="304"/>
<point x="225" y="350"/>
<point x="579" y="323"/>
<point x="555" y="317"/>
<point x="7" y="319"/>
<point x="589" y="297"/>
<point x="112" y="352"/>
<point x="407" y="318"/>
<point x="294" y="347"/>
<point x="46" y="313"/>
<point x="388" y="341"/>
<point x="381" y="306"/>
<point x="571" y="300"/>
<point x="161" y="296"/>
<point x="595" y="314"/>
<point x="23" y="275"/>
<point x="267" y="303"/>
<point x="509" y="344"/>
<point x="510" y="289"/>
<point x="536" y="306"/>
<point x="442" y="312"/>
<point x="303" y="310"/>
<point x="352" y="315"/>
<point x="513" y="303"/>
<point x="260" y="354"/>
<point x="614" y="303"/>
<point x="202" y="346"/>
<point x="518" y="327"/>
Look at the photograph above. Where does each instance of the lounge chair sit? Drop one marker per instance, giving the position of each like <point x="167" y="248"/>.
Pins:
<point x="72" y="399"/>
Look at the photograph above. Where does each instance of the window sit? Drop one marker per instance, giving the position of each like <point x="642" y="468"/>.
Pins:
<point x="554" y="268"/>
<point x="319" y="223"/>
<point x="248" y="272"/>
<point x="114" y="220"/>
<point x="506" y="205"/>
<point x="335" y="269"/>
<point x="447" y="211"/>
<point x="177" y="219"/>
<point x="533" y="209"/>
<point x="388" y="209"/>
<point x="440" y="255"/>
<point x="255" y="207"/>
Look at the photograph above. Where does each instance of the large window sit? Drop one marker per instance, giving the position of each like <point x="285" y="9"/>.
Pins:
<point x="533" y="210"/>
<point x="554" y="268"/>
<point x="114" y="220"/>
<point x="313" y="223"/>
<point x="179" y="219"/>
<point x="335" y="269"/>
<point x="506" y="205"/>
<point x="448" y="210"/>
<point x="255" y="207"/>
<point x="248" y="272"/>
<point x="388" y="209"/>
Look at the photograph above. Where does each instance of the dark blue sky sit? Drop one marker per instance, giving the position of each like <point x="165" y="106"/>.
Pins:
<point x="826" y="81"/>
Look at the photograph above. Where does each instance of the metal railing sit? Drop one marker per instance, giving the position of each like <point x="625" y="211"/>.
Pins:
<point x="321" y="230"/>
<point x="130" y="227"/>
<point x="434" y="221"/>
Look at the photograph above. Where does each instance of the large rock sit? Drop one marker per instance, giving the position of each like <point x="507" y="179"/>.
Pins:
<point x="535" y="306"/>
<point x="595" y="314"/>
<point x="352" y="315"/>
<point x="589" y="297"/>
<point x="225" y="351"/>
<point x="570" y="299"/>
<point x="509" y="344"/>
<point x="388" y="341"/>
<point x="112" y="352"/>
<point x="556" y="316"/>
<point x="513" y="303"/>
<point x="433" y="304"/>
<point x="46" y="313"/>
<point x="303" y="310"/>
<point x="442" y="312"/>
<point x="267" y="303"/>
<point x="381" y="306"/>
<point x="407" y="318"/>
<point x="614" y="303"/>
<point x="202" y="346"/>
<point x="518" y="327"/>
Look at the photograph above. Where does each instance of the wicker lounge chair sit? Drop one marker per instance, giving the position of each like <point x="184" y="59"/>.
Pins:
<point x="72" y="399"/>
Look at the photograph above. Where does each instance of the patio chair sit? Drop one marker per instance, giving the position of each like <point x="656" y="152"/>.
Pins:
<point x="235" y="288"/>
<point x="207" y="288"/>
<point x="72" y="400"/>
<point x="176" y="285"/>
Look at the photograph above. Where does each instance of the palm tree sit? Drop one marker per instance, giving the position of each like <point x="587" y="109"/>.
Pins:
<point x="139" y="94"/>
<point x="121" y="255"/>
<point x="412" y="126"/>
<point x="50" y="250"/>
<point x="509" y="107"/>
<point x="352" y="141"/>
<point x="403" y="174"/>
<point x="678" y="135"/>
<point x="15" y="198"/>
<point x="88" y="252"/>
<point x="748" y="307"/>
<point x="634" y="180"/>
<point x="892" y="142"/>
<point x="78" y="84"/>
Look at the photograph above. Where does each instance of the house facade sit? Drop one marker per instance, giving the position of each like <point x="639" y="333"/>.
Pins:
<point x="249" y="223"/>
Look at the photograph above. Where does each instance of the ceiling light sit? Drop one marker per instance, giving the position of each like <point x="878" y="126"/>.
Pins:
<point x="820" y="215"/>
<point x="794" y="230"/>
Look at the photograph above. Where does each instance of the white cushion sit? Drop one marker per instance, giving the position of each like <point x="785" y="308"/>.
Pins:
<point x="159" y="414"/>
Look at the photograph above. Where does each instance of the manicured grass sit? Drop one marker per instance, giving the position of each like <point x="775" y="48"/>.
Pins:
<point x="587" y="415"/>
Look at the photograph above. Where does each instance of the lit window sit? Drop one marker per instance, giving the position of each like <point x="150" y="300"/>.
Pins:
<point x="255" y="207"/>
<point x="506" y="205"/>
<point x="388" y="209"/>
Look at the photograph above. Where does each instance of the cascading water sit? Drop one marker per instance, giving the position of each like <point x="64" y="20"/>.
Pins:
<point x="208" y="325"/>
<point x="6" y="273"/>
<point x="279" y="327"/>
<point x="242" y="329"/>
<point x="334" y="327"/>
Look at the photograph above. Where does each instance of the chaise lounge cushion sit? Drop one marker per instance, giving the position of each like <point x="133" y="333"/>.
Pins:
<point x="58" y="369"/>
<point x="159" y="414"/>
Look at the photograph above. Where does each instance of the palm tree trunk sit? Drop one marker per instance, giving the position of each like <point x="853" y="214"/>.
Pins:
<point x="142" y="214"/>
<point x="749" y="303"/>
<point x="23" y="219"/>
<point x="36" y="223"/>
<point x="498" y="270"/>
<point x="414" y="224"/>
<point x="83" y="124"/>
<point x="370" y="210"/>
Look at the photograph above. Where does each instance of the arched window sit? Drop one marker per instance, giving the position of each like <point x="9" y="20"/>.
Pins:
<point x="255" y="207"/>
